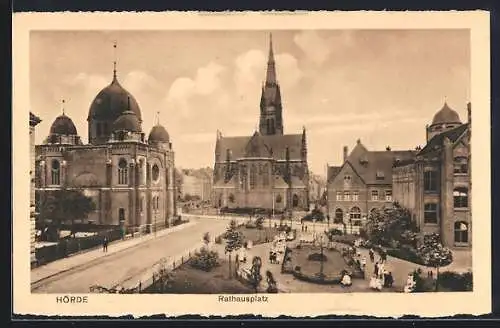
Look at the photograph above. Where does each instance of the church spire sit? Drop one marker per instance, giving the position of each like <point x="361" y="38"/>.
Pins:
<point x="271" y="67"/>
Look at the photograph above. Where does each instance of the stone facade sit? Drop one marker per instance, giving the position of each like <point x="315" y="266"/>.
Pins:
<point x="34" y="121"/>
<point x="267" y="170"/>
<point x="436" y="184"/>
<point x="361" y="184"/>
<point x="130" y="179"/>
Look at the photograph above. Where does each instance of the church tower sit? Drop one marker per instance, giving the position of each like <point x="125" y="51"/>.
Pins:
<point x="271" y="119"/>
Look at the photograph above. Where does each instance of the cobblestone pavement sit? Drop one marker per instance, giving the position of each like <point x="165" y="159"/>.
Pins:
<point x="110" y="269"/>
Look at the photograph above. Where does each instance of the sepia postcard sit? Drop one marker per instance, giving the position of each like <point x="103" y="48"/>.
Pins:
<point x="254" y="163"/>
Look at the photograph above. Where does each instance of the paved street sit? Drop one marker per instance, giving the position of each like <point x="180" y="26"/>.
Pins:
<point x="111" y="269"/>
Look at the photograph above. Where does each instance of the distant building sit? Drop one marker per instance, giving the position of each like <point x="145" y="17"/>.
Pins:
<point x="267" y="169"/>
<point x="316" y="188"/>
<point x="34" y="121"/>
<point x="129" y="177"/>
<point x="362" y="183"/>
<point x="197" y="183"/>
<point x="435" y="185"/>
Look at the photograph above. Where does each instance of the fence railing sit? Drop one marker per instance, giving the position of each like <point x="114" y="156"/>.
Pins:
<point x="69" y="246"/>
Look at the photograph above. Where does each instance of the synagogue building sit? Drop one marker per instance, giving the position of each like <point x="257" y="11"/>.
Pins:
<point x="128" y="175"/>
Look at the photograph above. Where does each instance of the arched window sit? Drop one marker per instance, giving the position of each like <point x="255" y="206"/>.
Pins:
<point x="141" y="205"/>
<point x="460" y="197"/>
<point x="56" y="172"/>
<point x="278" y="199"/>
<point x="339" y="216"/>
<point x="157" y="202"/>
<point x="461" y="232"/>
<point x="121" y="214"/>
<point x="155" y="173"/>
<point x="295" y="200"/>
<point x="265" y="175"/>
<point x="355" y="213"/>
<point x="253" y="176"/>
<point x="122" y="172"/>
<point x="460" y="165"/>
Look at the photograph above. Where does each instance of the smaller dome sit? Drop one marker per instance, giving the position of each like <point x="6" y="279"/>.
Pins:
<point x="63" y="125"/>
<point x="446" y="115"/>
<point x="158" y="134"/>
<point x="127" y="121"/>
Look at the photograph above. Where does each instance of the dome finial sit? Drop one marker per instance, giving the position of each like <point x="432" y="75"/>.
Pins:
<point x="158" y="118"/>
<point x="62" y="105"/>
<point x="445" y="99"/>
<point x="114" y="62"/>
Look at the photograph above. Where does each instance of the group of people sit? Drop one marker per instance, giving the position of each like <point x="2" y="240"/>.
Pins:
<point x="381" y="278"/>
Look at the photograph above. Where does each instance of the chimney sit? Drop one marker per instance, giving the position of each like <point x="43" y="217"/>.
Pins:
<point x="468" y="112"/>
<point x="345" y="153"/>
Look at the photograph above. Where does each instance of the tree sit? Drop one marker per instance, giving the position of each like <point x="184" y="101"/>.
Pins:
<point x="64" y="205"/>
<point x="255" y="275"/>
<point x="234" y="241"/>
<point x="434" y="254"/>
<point x="392" y="227"/>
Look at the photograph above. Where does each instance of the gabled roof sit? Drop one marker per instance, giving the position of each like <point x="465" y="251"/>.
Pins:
<point x="297" y="183"/>
<point x="373" y="167"/>
<point x="275" y="143"/>
<point x="279" y="182"/>
<point x="332" y="172"/>
<point x="436" y="143"/>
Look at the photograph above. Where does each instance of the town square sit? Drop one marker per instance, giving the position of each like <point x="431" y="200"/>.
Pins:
<point x="288" y="161"/>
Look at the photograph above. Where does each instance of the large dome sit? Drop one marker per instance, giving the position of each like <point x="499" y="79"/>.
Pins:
<point x="446" y="115"/>
<point x="127" y="121"/>
<point x="158" y="134"/>
<point x="111" y="102"/>
<point x="63" y="125"/>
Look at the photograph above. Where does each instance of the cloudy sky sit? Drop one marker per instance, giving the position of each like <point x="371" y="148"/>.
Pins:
<point x="377" y="85"/>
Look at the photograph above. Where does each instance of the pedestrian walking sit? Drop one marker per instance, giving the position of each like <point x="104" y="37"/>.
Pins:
<point x="372" y="255"/>
<point x="105" y="245"/>
<point x="363" y="263"/>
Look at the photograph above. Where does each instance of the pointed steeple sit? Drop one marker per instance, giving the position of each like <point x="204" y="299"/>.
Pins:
<point x="271" y="67"/>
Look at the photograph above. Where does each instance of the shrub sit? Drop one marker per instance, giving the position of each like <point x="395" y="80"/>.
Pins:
<point x="432" y="252"/>
<point x="456" y="281"/>
<point x="205" y="259"/>
<point x="317" y="257"/>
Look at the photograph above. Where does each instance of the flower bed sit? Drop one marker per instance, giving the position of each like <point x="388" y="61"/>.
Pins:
<point x="317" y="279"/>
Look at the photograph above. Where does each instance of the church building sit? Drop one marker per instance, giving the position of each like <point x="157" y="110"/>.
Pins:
<point x="267" y="170"/>
<point x="130" y="177"/>
<point x="435" y="185"/>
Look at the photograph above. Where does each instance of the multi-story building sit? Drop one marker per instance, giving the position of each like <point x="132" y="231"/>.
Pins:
<point x="129" y="178"/>
<point x="34" y="121"/>
<point x="435" y="185"/>
<point x="197" y="183"/>
<point x="362" y="183"/>
<point x="267" y="169"/>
